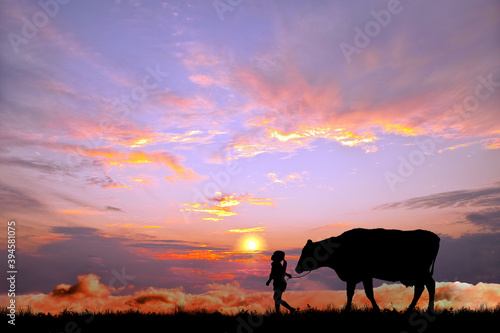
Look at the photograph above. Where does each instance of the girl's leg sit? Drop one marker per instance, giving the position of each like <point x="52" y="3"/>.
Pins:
<point x="277" y="300"/>
<point x="285" y="304"/>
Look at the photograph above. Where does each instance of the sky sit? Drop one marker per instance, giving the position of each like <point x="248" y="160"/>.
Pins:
<point x="155" y="152"/>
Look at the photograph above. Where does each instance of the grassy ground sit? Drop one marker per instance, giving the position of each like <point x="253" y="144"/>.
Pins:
<point x="310" y="320"/>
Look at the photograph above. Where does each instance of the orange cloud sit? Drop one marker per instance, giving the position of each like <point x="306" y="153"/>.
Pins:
<point x="87" y="286"/>
<point x="261" y="201"/>
<point x="141" y="180"/>
<point x="289" y="110"/>
<point x="89" y="293"/>
<point x="215" y="219"/>
<point x="492" y="143"/>
<point x="457" y="146"/>
<point x="273" y="140"/>
<point x="207" y="208"/>
<point x="193" y="254"/>
<point x="113" y="157"/>
<point x="256" y="229"/>
<point x="79" y="211"/>
<point x="142" y="139"/>
<point x="402" y="129"/>
<point x="335" y="226"/>
<point x="131" y="225"/>
<point x="196" y="271"/>
<point x="222" y="205"/>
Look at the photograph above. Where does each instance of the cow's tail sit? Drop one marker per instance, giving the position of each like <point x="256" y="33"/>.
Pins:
<point x="434" y="253"/>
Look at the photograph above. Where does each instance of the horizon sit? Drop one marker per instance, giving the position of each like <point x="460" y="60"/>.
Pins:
<point x="170" y="147"/>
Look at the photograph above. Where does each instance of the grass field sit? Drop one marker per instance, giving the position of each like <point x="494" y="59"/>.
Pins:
<point x="310" y="320"/>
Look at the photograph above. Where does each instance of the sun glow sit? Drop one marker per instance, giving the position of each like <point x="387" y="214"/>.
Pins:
<point x="251" y="243"/>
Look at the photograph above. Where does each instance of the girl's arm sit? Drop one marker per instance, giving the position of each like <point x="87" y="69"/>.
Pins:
<point x="269" y="281"/>
<point x="284" y="269"/>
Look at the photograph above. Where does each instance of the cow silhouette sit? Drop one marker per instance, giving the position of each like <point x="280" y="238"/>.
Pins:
<point x="359" y="255"/>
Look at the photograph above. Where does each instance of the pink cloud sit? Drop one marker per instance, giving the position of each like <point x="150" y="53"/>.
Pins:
<point x="112" y="157"/>
<point x="201" y="79"/>
<point x="90" y="293"/>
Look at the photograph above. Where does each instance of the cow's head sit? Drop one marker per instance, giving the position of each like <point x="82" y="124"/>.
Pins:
<point x="316" y="254"/>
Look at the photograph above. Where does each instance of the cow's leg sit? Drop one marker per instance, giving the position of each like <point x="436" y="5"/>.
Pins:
<point x="431" y="288"/>
<point x="368" y="284"/>
<point x="419" y="288"/>
<point x="350" y="294"/>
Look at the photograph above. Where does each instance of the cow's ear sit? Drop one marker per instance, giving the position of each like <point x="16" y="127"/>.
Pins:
<point x="309" y="242"/>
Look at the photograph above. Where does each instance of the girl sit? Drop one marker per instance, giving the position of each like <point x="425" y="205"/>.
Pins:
<point x="278" y="273"/>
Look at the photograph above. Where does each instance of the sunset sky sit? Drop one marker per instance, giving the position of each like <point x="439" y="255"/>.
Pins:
<point x="174" y="145"/>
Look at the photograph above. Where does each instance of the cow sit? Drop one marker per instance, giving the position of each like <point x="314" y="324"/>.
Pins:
<point x="359" y="255"/>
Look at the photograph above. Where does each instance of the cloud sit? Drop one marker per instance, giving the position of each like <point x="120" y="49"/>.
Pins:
<point x="113" y="209"/>
<point x="45" y="166"/>
<point x="132" y="226"/>
<point x="79" y="211"/>
<point x="183" y="140"/>
<point x="223" y="205"/>
<point x="492" y="143"/>
<point x="256" y="229"/>
<point x="471" y="258"/>
<point x="457" y="146"/>
<point x="201" y="79"/>
<point x="189" y="109"/>
<point x="190" y="272"/>
<point x="105" y="182"/>
<point x="270" y="140"/>
<point x="75" y="231"/>
<point x="288" y="101"/>
<point x="112" y="157"/>
<point x="176" y="244"/>
<point x="203" y="255"/>
<point x="15" y="199"/>
<point x="87" y="286"/>
<point x="291" y="178"/>
<point x="488" y="219"/>
<point x="488" y="196"/>
<point x="89" y="293"/>
<point x="335" y="226"/>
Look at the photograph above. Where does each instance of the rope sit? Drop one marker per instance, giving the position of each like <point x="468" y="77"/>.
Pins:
<point x="300" y="276"/>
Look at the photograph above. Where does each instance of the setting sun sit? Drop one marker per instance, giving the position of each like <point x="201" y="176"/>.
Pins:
<point x="252" y="245"/>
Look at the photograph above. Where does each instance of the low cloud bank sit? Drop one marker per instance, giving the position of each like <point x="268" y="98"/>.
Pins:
<point x="90" y="294"/>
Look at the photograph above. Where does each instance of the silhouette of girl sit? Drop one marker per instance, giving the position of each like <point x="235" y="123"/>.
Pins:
<point x="278" y="273"/>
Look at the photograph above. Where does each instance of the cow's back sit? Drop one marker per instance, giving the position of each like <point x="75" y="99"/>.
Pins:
<point x="392" y="255"/>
